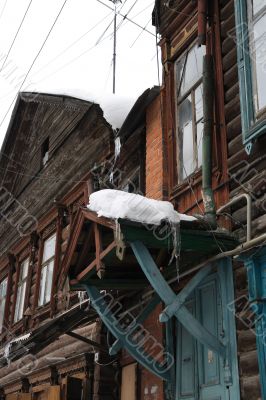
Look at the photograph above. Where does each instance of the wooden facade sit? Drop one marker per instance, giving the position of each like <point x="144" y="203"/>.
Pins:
<point x="40" y="196"/>
<point x="204" y="308"/>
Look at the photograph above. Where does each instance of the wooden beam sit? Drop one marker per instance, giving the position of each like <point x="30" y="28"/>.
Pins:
<point x="93" y="264"/>
<point x="100" y="267"/>
<point x="84" y="251"/>
<point x="88" y="341"/>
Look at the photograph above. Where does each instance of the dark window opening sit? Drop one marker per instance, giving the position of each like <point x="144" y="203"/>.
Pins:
<point x="45" y="152"/>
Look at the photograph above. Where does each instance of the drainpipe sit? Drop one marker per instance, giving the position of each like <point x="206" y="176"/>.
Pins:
<point x="235" y="200"/>
<point x="208" y="101"/>
<point x="202" y="22"/>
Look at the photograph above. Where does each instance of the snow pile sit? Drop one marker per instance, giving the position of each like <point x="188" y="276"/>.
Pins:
<point x="134" y="207"/>
<point x="115" y="108"/>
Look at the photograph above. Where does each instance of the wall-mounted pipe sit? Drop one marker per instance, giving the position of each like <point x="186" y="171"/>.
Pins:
<point x="249" y="210"/>
<point x="202" y="21"/>
<point x="208" y="107"/>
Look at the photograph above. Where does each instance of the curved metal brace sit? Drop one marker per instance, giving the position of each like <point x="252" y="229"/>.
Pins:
<point x="168" y="296"/>
<point x="133" y="348"/>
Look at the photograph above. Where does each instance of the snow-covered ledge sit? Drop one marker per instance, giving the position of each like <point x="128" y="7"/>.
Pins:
<point x="117" y="204"/>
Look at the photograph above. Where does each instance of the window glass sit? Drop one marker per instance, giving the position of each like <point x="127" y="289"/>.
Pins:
<point x="47" y="270"/>
<point x="258" y="54"/>
<point x="3" y="290"/>
<point x="190" y="110"/>
<point x="189" y="69"/>
<point x="49" y="248"/>
<point x="258" y="6"/>
<point x="22" y="284"/>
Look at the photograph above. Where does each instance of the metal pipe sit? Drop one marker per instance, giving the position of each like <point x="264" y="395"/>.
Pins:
<point x="208" y="101"/>
<point x="202" y="22"/>
<point x="249" y="210"/>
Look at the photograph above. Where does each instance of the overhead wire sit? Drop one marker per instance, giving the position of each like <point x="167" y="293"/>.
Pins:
<point x="16" y="35"/>
<point x="34" y="60"/>
<point x="139" y="35"/>
<point x="3" y="9"/>
<point x="73" y="60"/>
<point x="72" y="44"/>
<point x="124" y="16"/>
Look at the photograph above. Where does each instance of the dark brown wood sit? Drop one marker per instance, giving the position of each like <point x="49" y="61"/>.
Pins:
<point x="82" y="275"/>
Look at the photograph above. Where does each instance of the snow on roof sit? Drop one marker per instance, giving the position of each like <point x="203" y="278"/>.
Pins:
<point x="115" y="108"/>
<point x="119" y="204"/>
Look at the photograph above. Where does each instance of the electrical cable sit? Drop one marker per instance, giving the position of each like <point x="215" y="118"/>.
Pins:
<point x="72" y="44"/>
<point x="35" y="59"/>
<point x="124" y="16"/>
<point x="16" y="35"/>
<point x="3" y="9"/>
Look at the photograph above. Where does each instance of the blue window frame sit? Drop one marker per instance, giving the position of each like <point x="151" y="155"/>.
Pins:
<point x="251" y="48"/>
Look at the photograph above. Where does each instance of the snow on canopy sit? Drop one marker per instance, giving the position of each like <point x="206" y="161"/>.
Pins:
<point x="116" y="204"/>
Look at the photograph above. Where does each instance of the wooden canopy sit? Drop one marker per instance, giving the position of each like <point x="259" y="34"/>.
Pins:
<point x="99" y="250"/>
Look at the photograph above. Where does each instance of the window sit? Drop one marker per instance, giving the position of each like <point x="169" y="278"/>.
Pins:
<point x="251" y="36"/>
<point x="47" y="270"/>
<point x="3" y="290"/>
<point x="189" y="93"/>
<point x="45" y="152"/>
<point x="21" y="291"/>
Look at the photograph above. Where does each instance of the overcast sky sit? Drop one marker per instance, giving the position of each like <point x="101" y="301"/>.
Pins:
<point x="85" y="69"/>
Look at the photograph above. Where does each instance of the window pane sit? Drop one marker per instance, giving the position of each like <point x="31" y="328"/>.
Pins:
<point x="24" y="269"/>
<point x="199" y="102"/>
<point x="260" y="59"/>
<point x="258" y="5"/>
<point x="3" y="289"/>
<point x="18" y="304"/>
<point x="21" y="306"/>
<point x="42" y="285"/>
<point x="186" y="140"/>
<point x="199" y="142"/>
<point x="193" y="64"/>
<point x="49" y="280"/>
<point x="49" y="248"/>
<point x="2" y="310"/>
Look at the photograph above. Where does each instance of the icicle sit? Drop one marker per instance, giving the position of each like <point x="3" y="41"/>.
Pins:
<point x="111" y="177"/>
<point x="81" y="296"/>
<point x="117" y="147"/>
<point x="175" y="229"/>
<point x="7" y="352"/>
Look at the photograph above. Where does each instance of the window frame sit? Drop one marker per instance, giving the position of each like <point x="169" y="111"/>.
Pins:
<point x="45" y="264"/>
<point x="5" y="278"/>
<point x="251" y="127"/>
<point x="21" y="282"/>
<point x="179" y="100"/>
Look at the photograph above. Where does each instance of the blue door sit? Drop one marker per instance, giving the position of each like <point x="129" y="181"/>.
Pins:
<point x="201" y="373"/>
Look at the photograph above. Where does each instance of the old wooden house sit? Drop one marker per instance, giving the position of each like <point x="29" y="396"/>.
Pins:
<point x="98" y="305"/>
<point x="57" y="150"/>
<point x="195" y="324"/>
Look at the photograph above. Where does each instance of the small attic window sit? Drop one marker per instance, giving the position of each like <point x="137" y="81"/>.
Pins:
<point x="45" y="152"/>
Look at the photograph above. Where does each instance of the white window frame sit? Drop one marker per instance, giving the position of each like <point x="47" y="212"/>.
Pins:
<point x="182" y="175"/>
<point x="255" y="57"/>
<point x="21" y="289"/>
<point x="47" y="271"/>
<point x="3" y="297"/>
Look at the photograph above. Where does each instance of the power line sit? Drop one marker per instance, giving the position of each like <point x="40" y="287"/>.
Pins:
<point x="3" y="9"/>
<point x="35" y="59"/>
<point x="72" y="44"/>
<point x="125" y="17"/>
<point x="15" y="37"/>
<point x="140" y="33"/>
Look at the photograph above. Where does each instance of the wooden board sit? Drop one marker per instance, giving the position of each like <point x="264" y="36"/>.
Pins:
<point x="129" y="382"/>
